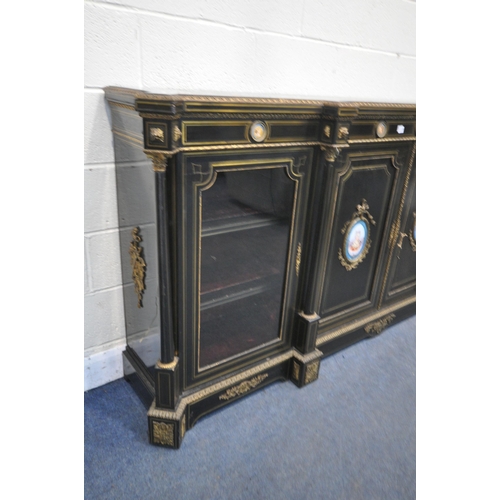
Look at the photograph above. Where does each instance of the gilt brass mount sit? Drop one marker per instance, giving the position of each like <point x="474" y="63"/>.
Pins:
<point x="331" y="153"/>
<point x="156" y="134"/>
<point x="258" y="131"/>
<point x="176" y="133"/>
<point x="343" y="133"/>
<point x="377" y="326"/>
<point x="138" y="265"/>
<point x="163" y="433"/>
<point x="311" y="372"/>
<point x="244" y="387"/>
<point x="159" y="161"/>
<point x="412" y="234"/>
<point x="357" y="237"/>
<point x="298" y="259"/>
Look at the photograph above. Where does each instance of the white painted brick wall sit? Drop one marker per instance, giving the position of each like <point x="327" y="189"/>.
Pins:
<point x="100" y="197"/>
<point x="342" y="49"/>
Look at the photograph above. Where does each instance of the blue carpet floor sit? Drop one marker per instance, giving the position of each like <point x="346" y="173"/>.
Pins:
<point x="349" y="435"/>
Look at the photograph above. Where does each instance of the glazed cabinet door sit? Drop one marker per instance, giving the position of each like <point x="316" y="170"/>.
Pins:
<point x="361" y="201"/>
<point x="242" y="223"/>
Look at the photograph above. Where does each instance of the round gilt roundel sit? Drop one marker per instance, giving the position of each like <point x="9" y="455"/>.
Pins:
<point x="258" y="131"/>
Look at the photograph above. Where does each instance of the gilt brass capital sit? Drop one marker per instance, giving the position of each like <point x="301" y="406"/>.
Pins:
<point x="159" y="161"/>
<point x="331" y="153"/>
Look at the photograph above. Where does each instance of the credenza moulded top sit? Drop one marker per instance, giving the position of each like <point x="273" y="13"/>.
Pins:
<point x="156" y="101"/>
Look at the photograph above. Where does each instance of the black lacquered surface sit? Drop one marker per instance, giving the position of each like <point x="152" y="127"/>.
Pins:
<point x="246" y="222"/>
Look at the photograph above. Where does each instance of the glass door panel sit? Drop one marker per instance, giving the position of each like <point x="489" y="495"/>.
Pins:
<point x="246" y="222"/>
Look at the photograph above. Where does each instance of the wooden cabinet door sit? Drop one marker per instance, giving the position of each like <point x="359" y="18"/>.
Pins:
<point x="400" y="278"/>
<point x="360" y="204"/>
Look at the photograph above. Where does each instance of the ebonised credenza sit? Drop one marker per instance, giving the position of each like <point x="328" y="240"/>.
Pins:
<point x="257" y="236"/>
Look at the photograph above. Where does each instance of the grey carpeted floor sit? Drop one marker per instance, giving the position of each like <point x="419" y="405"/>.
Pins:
<point x="349" y="435"/>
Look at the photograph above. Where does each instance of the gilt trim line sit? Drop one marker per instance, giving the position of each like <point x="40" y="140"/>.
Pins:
<point x="385" y="139"/>
<point x="220" y="147"/>
<point x="190" y="99"/>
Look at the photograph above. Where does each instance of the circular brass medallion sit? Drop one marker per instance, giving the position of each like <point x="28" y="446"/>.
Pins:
<point x="258" y="131"/>
<point x="381" y="129"/>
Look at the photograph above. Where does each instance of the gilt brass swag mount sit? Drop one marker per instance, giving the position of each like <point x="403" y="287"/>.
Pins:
<point x="138" y="265"/>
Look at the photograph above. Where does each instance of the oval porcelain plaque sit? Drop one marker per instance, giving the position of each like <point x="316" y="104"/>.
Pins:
<point x="355" y="240"/>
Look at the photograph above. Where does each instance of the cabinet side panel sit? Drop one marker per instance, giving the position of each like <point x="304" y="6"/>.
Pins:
<point x="138" y="235"/>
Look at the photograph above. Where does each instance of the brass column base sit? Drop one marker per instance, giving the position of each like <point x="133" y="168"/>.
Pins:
<point x="166" y="432"/>
<point x="304" y="369"/>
